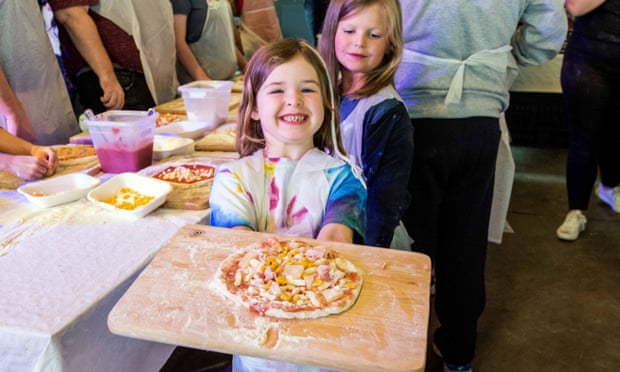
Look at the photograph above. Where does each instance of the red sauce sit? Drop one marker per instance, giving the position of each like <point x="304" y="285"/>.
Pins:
<point x="186" y="173"/>
<point x="118" y="160"/>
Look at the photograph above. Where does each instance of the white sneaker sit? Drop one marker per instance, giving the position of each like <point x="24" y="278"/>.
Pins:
<point x="610" y="196"/>
<point x="574" y="223"/>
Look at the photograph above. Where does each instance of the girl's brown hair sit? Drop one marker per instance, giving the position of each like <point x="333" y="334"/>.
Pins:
<point x="250" y="137"/>
<point x="383" y="74"/>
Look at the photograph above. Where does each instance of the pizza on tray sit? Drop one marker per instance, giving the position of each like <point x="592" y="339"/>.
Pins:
<point x="290" y="279"/>
<point x="167" y="118"/>
<point x="186" y="174"/>
<point x="75" y="153"/>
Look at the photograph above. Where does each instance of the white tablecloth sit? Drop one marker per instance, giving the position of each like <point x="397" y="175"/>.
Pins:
<point x="61" y="271"/>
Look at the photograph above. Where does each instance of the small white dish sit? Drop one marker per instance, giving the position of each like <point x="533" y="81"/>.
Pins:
<point x="143" y="185"/>
<point x="59" y="190"/>
<point x="165" y="146"/>
<point x="187" y="129"/>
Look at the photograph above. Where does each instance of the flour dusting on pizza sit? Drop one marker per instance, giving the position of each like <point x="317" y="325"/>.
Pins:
<point x="291" y="279"/>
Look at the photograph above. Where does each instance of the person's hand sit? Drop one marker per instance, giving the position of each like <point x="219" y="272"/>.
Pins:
<point x="28" y="167"/>
<point x="113" y="94"/>
<point x="48" y="155"/>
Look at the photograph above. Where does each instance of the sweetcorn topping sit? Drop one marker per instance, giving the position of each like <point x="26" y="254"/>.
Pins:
<point x="128" y="199"/>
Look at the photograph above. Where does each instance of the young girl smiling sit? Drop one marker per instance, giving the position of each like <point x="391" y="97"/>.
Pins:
<point x="286" y="180"/>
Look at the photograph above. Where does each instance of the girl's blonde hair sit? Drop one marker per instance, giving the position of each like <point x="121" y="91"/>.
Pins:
<point x="250" y="137"/>
<point x="381" y="75"/>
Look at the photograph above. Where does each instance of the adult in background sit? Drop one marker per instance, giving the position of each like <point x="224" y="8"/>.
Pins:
<point x="37" y="105"/>
<point x="259" y="25"/>
<point x="25" y="160"/>
<point x="120" y="54"/>
<point x="591" y="92"/>
<point x="457" y="66"/>
<point x="205" y="40"/>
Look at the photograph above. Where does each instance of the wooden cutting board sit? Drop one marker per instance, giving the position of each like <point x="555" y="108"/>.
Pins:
<point x="173" y="301"/>
<point x="222" y="138"/>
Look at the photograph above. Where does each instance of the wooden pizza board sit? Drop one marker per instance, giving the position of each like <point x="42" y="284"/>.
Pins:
<point x="174" y="301"/>
<point x="191" y="197"/>
<point x="222" y="138"/>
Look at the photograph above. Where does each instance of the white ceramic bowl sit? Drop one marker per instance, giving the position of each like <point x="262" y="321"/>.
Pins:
<point x="187" y="129"/>
<point x="165" y="146"/>
<point x="145" y="186"/>
<point x="59" y="190"/>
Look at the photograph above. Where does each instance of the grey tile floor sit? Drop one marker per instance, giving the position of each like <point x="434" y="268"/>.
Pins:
<point x="551" y="305"/>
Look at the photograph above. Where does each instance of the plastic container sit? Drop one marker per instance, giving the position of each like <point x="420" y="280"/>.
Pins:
<point x="165" y="147"/>
<point x="207" y="100"/>
<point x="187" y="129"/>
<point x="137" y="185"/>
<point x="123" y="139"/>
<point x="59" y="190"/>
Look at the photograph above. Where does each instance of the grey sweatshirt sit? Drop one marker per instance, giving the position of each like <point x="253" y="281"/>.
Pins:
<point x="440" y="34"/>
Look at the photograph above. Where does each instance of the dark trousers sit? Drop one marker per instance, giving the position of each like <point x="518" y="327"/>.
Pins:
<point x="591" y="93"/>
<point x="451" y="186"/>
<point x="137" y="93"/>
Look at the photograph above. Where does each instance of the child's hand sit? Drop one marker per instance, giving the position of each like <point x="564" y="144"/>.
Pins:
<point x="48" y="156"/>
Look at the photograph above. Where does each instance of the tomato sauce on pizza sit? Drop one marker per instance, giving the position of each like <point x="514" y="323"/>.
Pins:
<point x="186" y="173"/>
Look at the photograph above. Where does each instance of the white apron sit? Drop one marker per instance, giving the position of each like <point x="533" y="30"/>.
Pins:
<point x="501" y="60"/>
<point x="150" y="23"/>
<point x="261" y="17"/>
<point x="33" y="72"/>
<point x="352" y="132"/>
<point x="215" y="50"/>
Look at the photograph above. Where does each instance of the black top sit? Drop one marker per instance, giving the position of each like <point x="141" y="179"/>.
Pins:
<point x="603" y="23"/>
<point x="196" y="12"/>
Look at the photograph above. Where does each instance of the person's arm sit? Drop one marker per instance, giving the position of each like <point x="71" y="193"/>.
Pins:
<point x="542" y="33"/>
<point x="230" y="202"/>
<point x="184" y="53"/>
<point x="387" y="156"/>
<point x="24" y="159"/>
<point x="344" y="218"/>
<point x="17" y="123"/>
<point x="84" y="34"/>
<point x="241" y="61"/>
<point x="581" y="7"/>
<point x="336" y="232"/>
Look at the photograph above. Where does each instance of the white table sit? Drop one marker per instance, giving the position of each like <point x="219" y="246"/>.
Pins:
<point x="61" y="271"/>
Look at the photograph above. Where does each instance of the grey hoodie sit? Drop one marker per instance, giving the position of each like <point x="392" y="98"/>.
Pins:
<point x="440" y="34"/>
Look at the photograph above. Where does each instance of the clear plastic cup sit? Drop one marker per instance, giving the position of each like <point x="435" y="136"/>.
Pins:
<point x="207" y="100"/>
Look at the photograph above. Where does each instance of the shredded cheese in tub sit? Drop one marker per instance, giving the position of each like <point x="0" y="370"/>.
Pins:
<point x="128" y="199"/>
